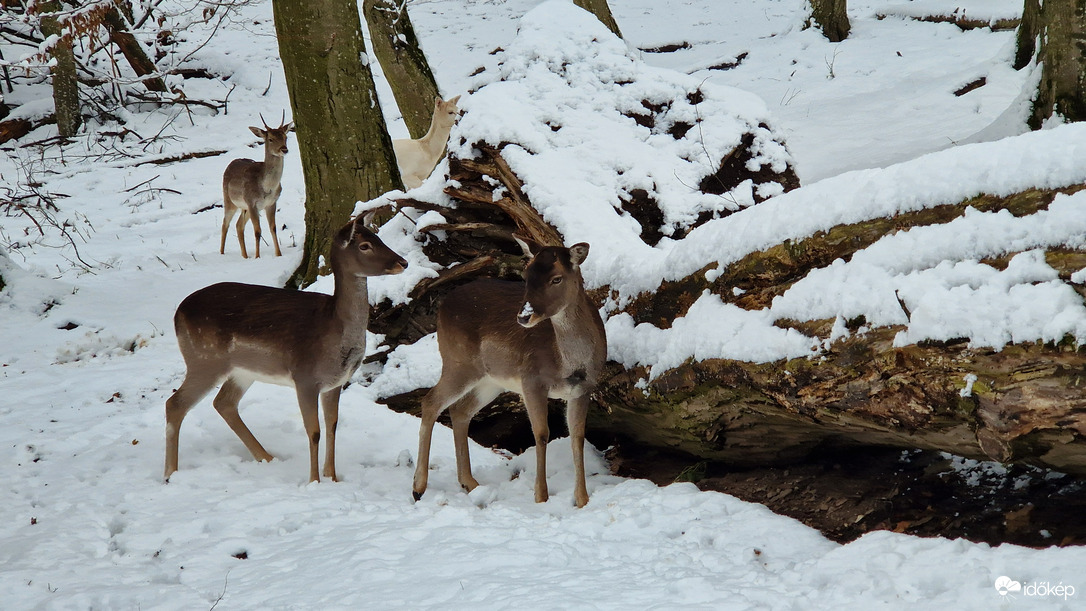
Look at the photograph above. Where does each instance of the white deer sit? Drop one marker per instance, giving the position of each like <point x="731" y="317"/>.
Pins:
<point x="418" y="158"/>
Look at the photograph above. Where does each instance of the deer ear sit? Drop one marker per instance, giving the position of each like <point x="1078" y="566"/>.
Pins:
<point x="259" y="132"/>
<point x="453" y="101"/>
<point x="367" y="219"/>
<point x="289" y="126"/>
<point x="528" y="245"/>
<point x="578" y="253"/>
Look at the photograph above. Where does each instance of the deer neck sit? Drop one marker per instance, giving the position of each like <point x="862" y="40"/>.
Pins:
<point x="436" y="137"/>
<point x="575" y="334"/>
<point x="351" y="304"/>
<point x="272" y="172"/>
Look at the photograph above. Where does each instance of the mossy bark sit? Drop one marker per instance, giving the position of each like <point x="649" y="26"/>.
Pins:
<point x="1062" y="89"/>
<point x="65" y="84"/>
<point x="403" y="62"/>
<point x="345" y="149"/>
<point x="1028" y="31"/>
<point x="1027" y="405"/>
<point x="602" y="11"/>
<point x="831" y="17"/>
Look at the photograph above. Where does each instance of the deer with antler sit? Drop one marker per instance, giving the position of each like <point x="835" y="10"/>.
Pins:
<point x="251" y="186"/>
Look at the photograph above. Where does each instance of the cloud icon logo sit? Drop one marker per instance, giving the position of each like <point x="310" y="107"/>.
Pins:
<point x="1005" y="585"/>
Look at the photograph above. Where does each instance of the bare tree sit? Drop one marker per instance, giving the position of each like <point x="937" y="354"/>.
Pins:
<point x="403" y="62"/>
<point x="1060" y="26"/>
<point x="346" y="151"/>
<point x="831" y="16"/>
<point x="65" y="84"/>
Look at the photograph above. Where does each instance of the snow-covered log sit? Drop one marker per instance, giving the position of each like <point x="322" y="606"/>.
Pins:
<point x="893" y="307"/>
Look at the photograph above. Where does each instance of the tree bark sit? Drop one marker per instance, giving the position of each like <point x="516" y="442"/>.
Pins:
<point x="1062" y="90"/>
<point x="345" y="149"/>
<point x="132" y="50"/>
<point x="1028" y="30"/>
<point x="403" y="62"/>
<point x="832" y="18"/>
<point x="602" y="11"/>
<point x="65" y="84"/>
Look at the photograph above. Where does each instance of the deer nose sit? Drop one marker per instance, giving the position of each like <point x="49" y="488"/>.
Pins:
<point x="525" y="315"/>
<point x="398" y="266"/>
<point x="284" y="150"/>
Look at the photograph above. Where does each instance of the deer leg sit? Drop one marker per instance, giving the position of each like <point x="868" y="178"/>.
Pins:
<point x="270" y="212"/>
<point x="307" y="401"/>
<point x="226" y="403"/>
<point x="240" y="227"/>
<point x="535" y="400"/>
<point x="330" y="404"/>
<point x="461" y="413"/>
<point x="228" y="211"/>
<point x="192" y="389"/>
<point x="576" y="413"/>
<point x="440" y="396"/>
<point x="254" y="218"/>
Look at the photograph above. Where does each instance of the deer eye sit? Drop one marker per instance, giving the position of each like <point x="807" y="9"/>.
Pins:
<point x="365" y="247"/>
<point x="556" y="280"/>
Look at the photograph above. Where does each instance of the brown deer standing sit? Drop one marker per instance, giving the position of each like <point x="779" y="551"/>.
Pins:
<point x="540" y="338"/>
<point x="251" y="186"/>
<point x="234" y="334"/>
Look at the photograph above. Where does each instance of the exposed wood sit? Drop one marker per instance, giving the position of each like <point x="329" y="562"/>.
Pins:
<point x="132" y="50"/>
<point x="182" y="157"/>
<point x="13" y="129"/>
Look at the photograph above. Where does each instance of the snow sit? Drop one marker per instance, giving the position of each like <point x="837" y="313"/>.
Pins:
<point x="873" y="128"/>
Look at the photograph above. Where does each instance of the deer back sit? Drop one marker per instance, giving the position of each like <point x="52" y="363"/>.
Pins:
<point x="280" y="335"/>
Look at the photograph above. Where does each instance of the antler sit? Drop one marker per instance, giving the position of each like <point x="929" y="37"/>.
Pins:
<point x="263" y="121"/>
<point x="283" y="121"/>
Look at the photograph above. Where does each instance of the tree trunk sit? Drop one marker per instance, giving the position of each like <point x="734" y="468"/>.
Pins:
<point x="1062" y="90"/>
<point x="1028" y="30"/>
<point x="133" y="52"/>
<point x="602" y="12"/>
<point x="345" y="149"/>
<point x="832" y="18"/>
<point x="403" y="62"/>
<point x="65" y="85"/>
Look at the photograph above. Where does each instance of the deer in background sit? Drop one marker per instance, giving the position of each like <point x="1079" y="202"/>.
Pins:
<point x="251" y="186"/>
<point x="234" y="334"/>
<point x="418" y="158"/>
<point x="541" y="338"/>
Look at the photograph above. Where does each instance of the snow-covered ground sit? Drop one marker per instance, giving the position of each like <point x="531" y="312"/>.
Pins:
<point x="87" y="357"/>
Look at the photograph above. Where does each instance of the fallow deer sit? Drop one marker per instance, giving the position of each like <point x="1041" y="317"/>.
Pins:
<point x="418" y="158"/>
<point x="251" y="186"/>
<point x="234" y="334"/>
<point x="540" y="338"/>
